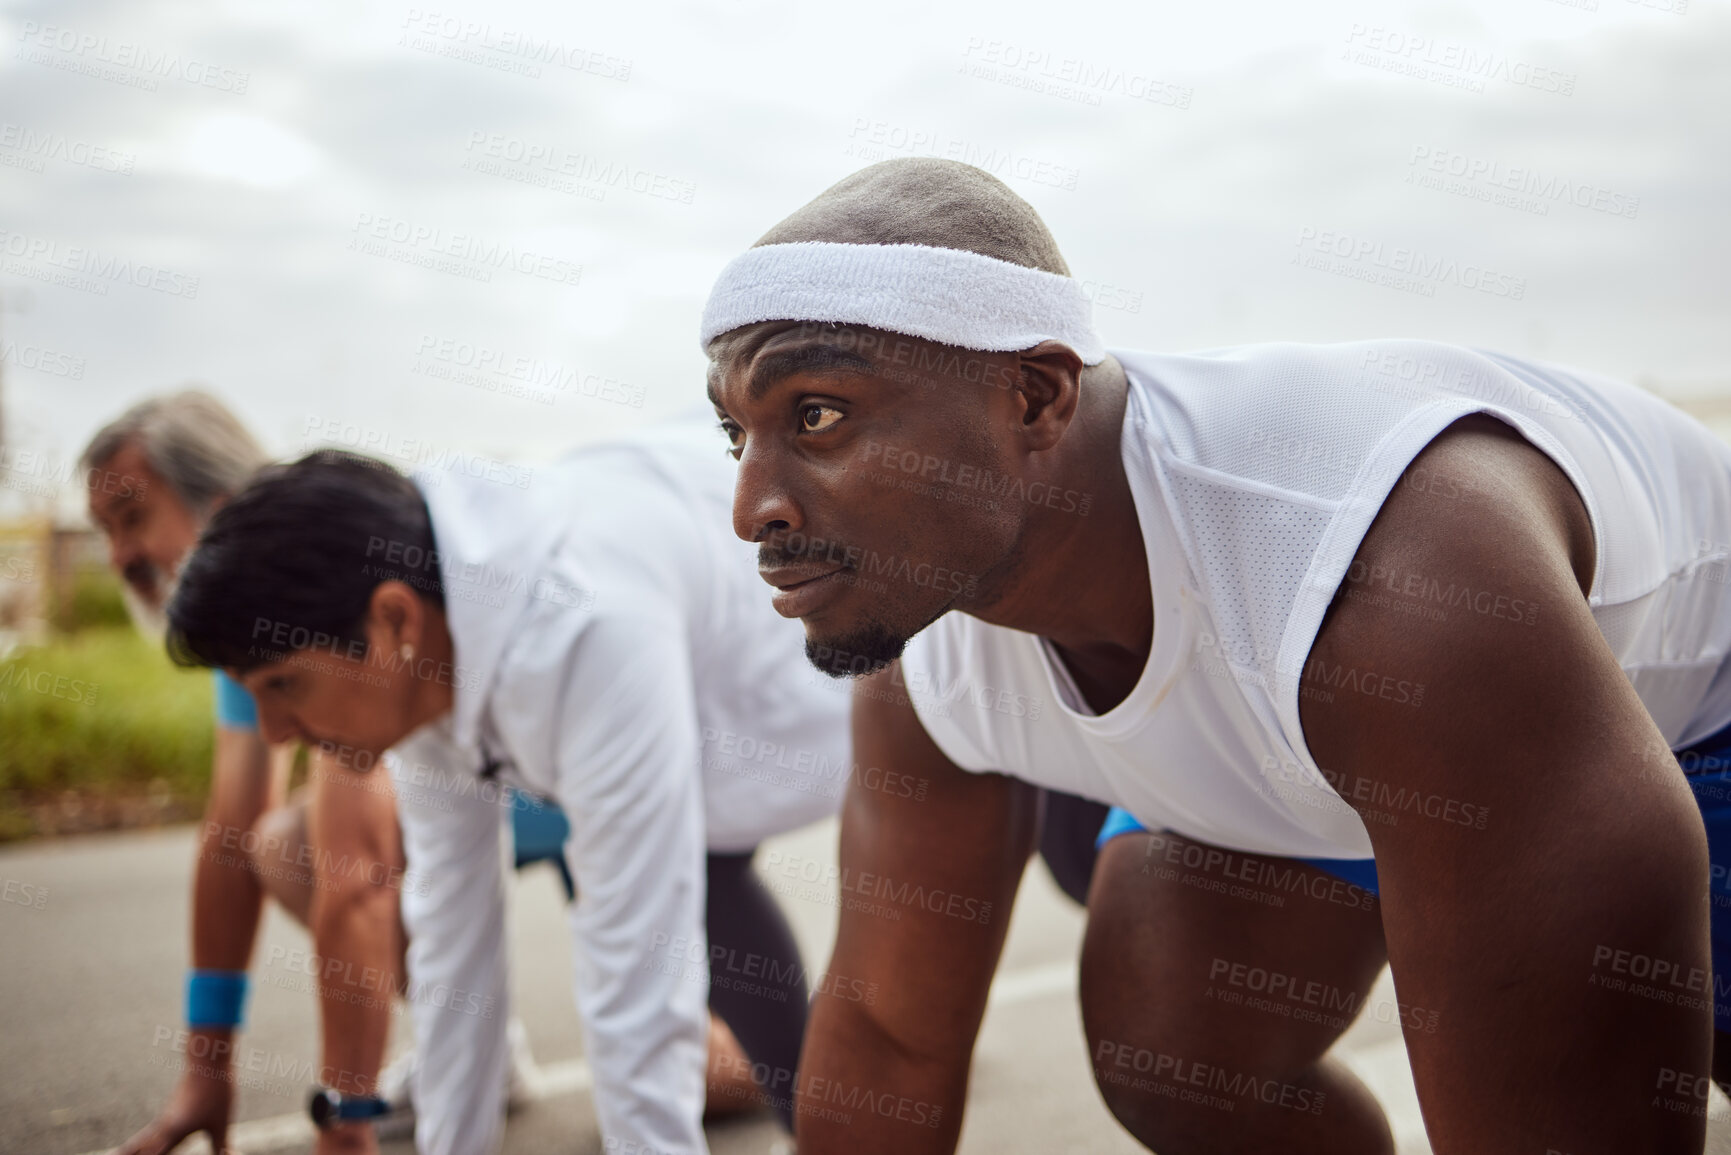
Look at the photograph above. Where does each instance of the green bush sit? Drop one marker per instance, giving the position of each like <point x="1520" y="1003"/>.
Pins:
<point x="95" y="602"/>
<point x="95" y="722"/>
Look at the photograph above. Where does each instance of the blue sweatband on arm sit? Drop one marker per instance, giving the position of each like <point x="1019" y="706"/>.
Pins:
<point x="215" y="998"/>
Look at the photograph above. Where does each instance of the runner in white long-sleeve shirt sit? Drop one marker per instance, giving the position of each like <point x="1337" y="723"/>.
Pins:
<point x="592" y="634"/>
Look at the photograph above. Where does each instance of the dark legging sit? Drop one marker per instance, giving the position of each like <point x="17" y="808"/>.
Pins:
<point x="1067" y="831"/>
<point x="756" y="979"/>
<point x="757" y="983"/>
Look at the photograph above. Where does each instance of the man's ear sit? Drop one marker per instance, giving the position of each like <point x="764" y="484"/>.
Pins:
<point x="1051" y="391"/>
<point x="395" y="616"/>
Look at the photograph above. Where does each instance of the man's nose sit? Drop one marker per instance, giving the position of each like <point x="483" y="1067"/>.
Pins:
<point x="762" y="501"/>
<point x="276" y="725"/>
<point x="122" y="552"/>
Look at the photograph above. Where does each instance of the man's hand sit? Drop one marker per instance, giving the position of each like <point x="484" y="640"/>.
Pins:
<point x="349" y="1139"/>
<point x="201" y="1101"/>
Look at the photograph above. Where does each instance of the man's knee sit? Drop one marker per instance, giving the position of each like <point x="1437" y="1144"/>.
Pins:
<point x="1115" y="1073"/>
<point x="1183" y="1070"/>
<point x="278" y="838"/>
<point x="1134" y="1062"/>
<point x="1147" y="1087"/>
<point x="353" y="819"/>
<point x="360" y="862"/>
<point x="282" y="860"/>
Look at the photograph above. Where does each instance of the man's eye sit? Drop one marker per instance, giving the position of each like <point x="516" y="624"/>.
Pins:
<point x="734" y="434"/>
<point x="818" y="418"/>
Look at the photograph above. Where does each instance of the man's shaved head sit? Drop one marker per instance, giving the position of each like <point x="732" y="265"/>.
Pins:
<point x="889" y="479"/>
<point x="926" y="201"/>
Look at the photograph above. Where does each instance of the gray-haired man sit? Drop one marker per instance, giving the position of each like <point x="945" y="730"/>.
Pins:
<point x="332" y="857"/>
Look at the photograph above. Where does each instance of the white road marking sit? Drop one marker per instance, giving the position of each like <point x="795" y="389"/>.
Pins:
<point x="566" y="1077"/>
<point x="271" y="1134"/>
<point x="1383" y="1068"/>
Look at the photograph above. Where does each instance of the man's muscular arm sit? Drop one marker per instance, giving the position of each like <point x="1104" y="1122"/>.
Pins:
<point x="357" y="928"/>
<point x="929" y="970"/>
<point x="226" y="902"/>
<point x="1538" y="825"/>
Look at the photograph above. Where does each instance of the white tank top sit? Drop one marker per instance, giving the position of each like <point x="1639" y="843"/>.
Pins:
<point x="1256" y="473"/>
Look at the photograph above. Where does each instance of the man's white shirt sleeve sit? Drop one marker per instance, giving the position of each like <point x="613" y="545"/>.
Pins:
<point x="610" y="703"/>
<point x="454" y="913"/>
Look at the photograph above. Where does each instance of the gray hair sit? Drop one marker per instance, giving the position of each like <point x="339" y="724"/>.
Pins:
<point x="192" y="442"/>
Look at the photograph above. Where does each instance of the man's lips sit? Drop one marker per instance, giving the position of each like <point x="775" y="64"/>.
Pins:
<point x="792" y="576"/>
<point x="800" y="590"/>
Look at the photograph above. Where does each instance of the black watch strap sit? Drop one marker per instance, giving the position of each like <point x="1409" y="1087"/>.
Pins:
<point x="331" y="1109"/>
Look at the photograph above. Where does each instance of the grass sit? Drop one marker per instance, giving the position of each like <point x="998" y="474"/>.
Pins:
<point x="98" y="729"/>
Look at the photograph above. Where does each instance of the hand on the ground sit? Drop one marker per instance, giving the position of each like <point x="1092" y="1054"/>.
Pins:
<point x="201" y="1101"/>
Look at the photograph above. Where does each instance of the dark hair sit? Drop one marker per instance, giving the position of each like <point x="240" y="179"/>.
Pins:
<point x="292" y="560"/>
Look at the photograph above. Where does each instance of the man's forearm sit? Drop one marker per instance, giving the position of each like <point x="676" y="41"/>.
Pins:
<point x="227" y="895"/>
<point x="858" y="1092"/>
<point x="892" y="1075"/>
<point x="356" y="919"/>
<point x="359" y="940"/>
<point x="226" y="902"/>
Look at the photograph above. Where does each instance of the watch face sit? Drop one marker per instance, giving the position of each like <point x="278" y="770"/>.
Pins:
<point x="323" y="1107"/>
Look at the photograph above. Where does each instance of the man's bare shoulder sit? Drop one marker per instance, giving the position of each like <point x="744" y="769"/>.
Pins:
<point x="1472" y="581"/>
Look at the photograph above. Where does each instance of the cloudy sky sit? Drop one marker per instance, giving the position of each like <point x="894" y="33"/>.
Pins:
<point x="491" y="227"/>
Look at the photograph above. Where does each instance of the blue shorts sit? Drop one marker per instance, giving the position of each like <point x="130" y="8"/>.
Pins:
<point x="538" y="829"/>
<point x="1707" y="769"/>
<point x="538" y="833"/>
<point x="1361" y="872"/>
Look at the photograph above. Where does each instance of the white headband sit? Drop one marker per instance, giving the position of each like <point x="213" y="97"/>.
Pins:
<point x="944" y="295"/>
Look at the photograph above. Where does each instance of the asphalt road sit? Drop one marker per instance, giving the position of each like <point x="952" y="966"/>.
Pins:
<point x="92" y="961"/>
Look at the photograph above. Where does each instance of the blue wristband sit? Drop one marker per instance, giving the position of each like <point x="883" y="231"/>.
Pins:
<point x="215" y="998"/>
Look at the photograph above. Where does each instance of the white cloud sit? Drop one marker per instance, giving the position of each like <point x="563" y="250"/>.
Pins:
<point x="248" y="150"/>
<point x="1191" y="212"/>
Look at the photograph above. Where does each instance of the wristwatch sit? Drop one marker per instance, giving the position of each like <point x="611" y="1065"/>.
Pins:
<point x="332" y="1109"/>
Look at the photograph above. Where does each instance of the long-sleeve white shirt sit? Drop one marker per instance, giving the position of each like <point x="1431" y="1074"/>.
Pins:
<point x="616" y="651"/>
